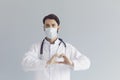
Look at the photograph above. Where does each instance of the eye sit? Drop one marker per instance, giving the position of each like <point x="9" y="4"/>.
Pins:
<point x="47" y="25"/>
<point x="53" y="25"/>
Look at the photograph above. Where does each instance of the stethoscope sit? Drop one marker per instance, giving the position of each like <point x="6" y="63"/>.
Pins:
<point x="42" y="45"/>
<point x="41" y="50"/>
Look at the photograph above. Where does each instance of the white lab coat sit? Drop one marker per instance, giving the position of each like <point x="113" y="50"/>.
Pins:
<point x="32" y="62"/>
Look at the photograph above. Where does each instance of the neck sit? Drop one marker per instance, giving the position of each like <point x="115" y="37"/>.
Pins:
<point x="51" y="40"/>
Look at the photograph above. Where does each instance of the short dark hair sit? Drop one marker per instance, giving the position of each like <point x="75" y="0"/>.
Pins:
<point x="51" y="16"/>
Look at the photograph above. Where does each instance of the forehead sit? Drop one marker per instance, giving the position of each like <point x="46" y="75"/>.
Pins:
<point x="50" y="21"/>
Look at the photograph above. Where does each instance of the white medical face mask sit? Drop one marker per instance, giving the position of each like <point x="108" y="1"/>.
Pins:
<point x="51" y="32"/>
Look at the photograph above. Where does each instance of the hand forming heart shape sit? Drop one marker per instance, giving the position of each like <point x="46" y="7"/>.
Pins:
<point x="59" y="59"/>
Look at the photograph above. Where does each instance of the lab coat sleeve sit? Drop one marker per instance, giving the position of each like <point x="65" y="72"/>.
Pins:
<point x="31" y="61"/>
<point x="80" y="61"/>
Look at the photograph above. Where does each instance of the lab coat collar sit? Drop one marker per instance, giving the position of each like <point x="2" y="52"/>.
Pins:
<point x="57" y="41"/>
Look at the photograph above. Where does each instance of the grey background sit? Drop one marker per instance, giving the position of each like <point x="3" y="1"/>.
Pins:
<point x="92" y="26"/>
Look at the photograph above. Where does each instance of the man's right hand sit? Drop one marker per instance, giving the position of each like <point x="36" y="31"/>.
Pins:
<point x="52" y="60"/>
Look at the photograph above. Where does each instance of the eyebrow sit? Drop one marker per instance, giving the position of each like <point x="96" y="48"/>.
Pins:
<point x="47" y="24"/>
<point x="53" y="24"/>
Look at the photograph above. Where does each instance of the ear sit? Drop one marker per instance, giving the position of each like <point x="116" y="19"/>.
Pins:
<point x="58" y="28"/>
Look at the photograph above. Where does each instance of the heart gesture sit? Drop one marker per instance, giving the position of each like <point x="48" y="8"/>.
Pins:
<point x="65" y="60"/>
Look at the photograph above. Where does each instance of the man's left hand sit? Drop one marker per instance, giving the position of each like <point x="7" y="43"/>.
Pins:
<point x="66" y="61"/>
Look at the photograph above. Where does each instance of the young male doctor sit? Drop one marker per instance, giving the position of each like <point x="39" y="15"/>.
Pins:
<point x="52" y="58"/>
